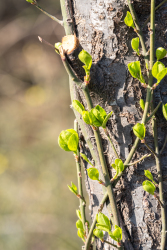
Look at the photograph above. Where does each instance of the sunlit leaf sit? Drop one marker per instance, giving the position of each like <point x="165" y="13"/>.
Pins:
<point x="139" y="130"/>
<point x="149" y="187"/>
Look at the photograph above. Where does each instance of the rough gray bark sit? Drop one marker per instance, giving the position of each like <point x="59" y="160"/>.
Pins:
<point x="102" y="32"/>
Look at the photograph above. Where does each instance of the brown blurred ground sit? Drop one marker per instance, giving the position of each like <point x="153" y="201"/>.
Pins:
<point x="37" y="211"/>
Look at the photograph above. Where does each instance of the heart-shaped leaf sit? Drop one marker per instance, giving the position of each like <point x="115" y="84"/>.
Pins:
<point x="160" y="53"/>
<point x="135" y="71"/>
<point x="102" y="219"/>
<point x="148" y="174"/>
<point x="135" y="44"/>
<point x="78" y="106"/>
<point x="129" y="20"/>
<point x="164" y="110"/>
<point x="93" y="174"/>
<point x="149" y="187"/>
<point x="139" y="130"/>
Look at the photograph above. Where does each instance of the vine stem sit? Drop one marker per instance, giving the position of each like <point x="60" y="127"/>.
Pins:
<point x="142" y="158"/>
<point x="47" y="14"/>
<point x="79" y="176"/>
<point x="103" y="163"/>
<point x="112" y="144"/>
<point x="157" y="7"/>
<point x="155" y="134"/>
<point x="110" y="243"/>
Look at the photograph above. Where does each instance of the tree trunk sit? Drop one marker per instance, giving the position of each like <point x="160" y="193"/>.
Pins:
<point x="102" y="32"/>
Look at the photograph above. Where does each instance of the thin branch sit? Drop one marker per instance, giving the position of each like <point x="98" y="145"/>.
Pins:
<point x="154" y="111"/>
<point x="46" y="13"/>
<point x="88" y="240"/>
<point x="110" y="243"/>
<point x="152" y="151"/>
<point x="158" y="6"/>
<point x="162" y="149"/>
<point x="79" y="176"/>
<point x="112" y="144"/>
<point x="142" y="158"/>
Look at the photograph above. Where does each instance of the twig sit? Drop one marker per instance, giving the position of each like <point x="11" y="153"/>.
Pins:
<point x="79" y="176"/>
<point x="150" y="149"/>
<point x="110" y="243"/>
<point x="162" y="149"/>
<point x="46" y="13"/>
<point x="154" y="111"/>
<point x="107" y="134"/>
<point x="148" y="19"/>
<point x="88" y="240"/>
<point x="142" y="158"/>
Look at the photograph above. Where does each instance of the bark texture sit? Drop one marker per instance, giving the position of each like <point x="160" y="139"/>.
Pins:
<point x="101" y="31"/>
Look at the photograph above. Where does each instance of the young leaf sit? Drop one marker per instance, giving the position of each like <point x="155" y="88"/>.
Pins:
<point x="86" y="117"/>
<point x="73" y="188"/>
<point x="97" y="119"/>
<point x="135" y="44"/>
<point x="86" y="159"/>
<point x="139" y="130"/>
<point x="135" y="71"/>
<point x="93" y="174"/>
<point x="159" y="71"/>
<point x="148" y="174"/>
<point x="106" y="119"/>
<point x="79" y="224"/>
<point x="78" y="212"/>
<point x="30" y="1"/>
<point x="149" y="187"/>
<point x="142" y="104"/>
<point x="160" y="53"/>
<point x="119" y="164"/>
<point x="117" y="233"/>
<point x="98" y="233"/>
<point x="102" y="227"/>
<point x="68" y="140"/>
<point x="78" y="106"/>
<point x="164" y="110"/>
<point x="102" y="219"/>
<point x="129" y="20"/>
<point x="101" y="110"/>
<point x="57" y="47"/>
<point x="81" y="234"/>
<point x="73" y="142"/>
<point x="86" y="58"/>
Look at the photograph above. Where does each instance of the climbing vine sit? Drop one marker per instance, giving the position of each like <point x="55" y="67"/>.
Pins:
<point x="97" y="117"/>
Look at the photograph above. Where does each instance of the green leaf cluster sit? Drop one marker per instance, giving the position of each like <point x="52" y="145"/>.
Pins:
<point x="135" y="45"/>
<point x="93" y="174"/>
<point x="118" y="166"/>
<point x="139" y="130"/>
<point x="86" y="59"/>
<point x="96" y="117"/>
<point x="135" y="71"/>
<point x="68" y="140"/>
<point x="164" y="110"/>
<point x="129" y="20"/>
<point x="73" y="188"/>
<point x="103" y="224"/>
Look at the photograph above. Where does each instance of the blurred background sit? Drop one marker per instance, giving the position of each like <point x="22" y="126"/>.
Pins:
<point x="37" y="211"/>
